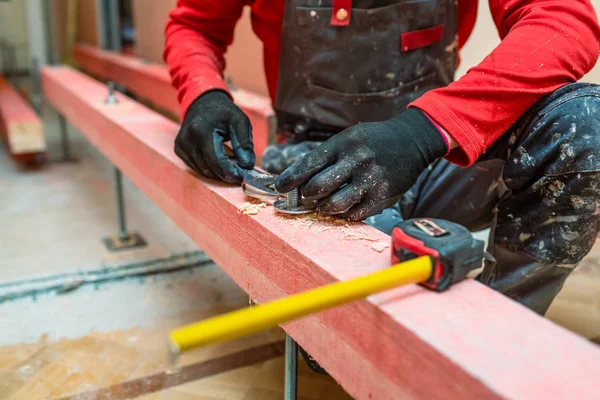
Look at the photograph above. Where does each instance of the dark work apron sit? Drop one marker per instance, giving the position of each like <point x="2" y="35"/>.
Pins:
<point x="348" y="61"/>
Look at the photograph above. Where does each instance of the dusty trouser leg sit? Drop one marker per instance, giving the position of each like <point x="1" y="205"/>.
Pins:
<point x="549" y="217"/>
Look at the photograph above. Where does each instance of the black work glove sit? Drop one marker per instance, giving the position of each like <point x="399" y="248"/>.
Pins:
<point x="367" y="167"/>
<point x="278" y="157"/>
<point x="210" y="121"/>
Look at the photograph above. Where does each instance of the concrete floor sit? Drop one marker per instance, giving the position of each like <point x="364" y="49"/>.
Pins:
<point x="52" y="219"/>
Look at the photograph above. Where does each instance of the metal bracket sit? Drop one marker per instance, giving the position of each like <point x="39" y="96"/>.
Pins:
<point x="111" y="98"/>
<point x="128" y="242"/>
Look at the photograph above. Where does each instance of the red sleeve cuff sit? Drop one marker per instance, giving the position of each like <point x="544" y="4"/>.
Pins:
<point x="469" y="147"/>
<point x="194" y="89"/>
<point x="442" y="132"/>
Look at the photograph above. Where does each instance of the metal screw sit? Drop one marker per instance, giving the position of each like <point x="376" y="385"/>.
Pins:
<point x="293" y="203"/>
<point x="293" y="199"/>
<point x="111" y="99"/>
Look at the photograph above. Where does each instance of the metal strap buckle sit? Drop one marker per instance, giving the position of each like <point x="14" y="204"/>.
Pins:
<point x="429" y="227"/>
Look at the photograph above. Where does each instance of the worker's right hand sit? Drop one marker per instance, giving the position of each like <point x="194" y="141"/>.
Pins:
<point x="210" y="121"/>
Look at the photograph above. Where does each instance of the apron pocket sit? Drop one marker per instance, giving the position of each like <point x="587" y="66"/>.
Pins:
<point x="364" y="61"/>
<point x="415" y="86"/>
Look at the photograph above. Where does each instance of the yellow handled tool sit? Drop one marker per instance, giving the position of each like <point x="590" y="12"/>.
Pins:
<point x="446" y="253"/>
<point x="258" y="318"/>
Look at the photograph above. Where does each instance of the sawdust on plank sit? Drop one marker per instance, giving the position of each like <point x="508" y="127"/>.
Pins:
<point x="357" y="234"/>
<point x="251" y="208"/>
<point x="379" y="246"/>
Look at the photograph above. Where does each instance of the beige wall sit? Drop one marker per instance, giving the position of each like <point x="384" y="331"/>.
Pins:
<point x="246" y="47"/>
<point x="87" y="29"/>
<point x="149" y="18"/>
<point x="485" y="37"/>
<point x="244" y="58"/>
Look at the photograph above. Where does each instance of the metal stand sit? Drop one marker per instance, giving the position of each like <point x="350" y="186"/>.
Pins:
<point x="64" y="139"/>
<point x="110" y="25"/>
<point x="120" y="204"/>
<point x="123" y="240"/>
<point x="36" y="98"/>
<point x="291" y="368"/>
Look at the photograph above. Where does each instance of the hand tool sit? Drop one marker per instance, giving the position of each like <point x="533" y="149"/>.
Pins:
<point x="256" y="184"/>
<point x="432" y="252"/>
<point x="261" y="185"/>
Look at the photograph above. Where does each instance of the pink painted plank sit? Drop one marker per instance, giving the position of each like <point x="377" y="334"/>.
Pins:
<point x="467" y="343"/>
<point x="20" y="126"/>
<point x="152" y="82"/>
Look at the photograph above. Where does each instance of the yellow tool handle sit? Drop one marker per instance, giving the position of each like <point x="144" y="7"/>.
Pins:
<point x="255" y="319"/>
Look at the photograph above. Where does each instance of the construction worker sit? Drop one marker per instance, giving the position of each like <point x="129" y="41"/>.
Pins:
<point x="368" y="110"/>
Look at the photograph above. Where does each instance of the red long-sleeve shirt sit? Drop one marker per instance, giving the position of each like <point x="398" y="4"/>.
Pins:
<point x="545" y="45"/>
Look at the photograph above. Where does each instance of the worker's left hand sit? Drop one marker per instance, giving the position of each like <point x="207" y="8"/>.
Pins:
<point x="367" y="167"/>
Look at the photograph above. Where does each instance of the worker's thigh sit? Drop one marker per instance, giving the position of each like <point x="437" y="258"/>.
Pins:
<point x="550" y="210"/>
<point x="466" y="196"/>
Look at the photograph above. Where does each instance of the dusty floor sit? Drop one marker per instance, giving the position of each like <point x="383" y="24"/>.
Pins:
<point x="122" y="362"/>
<point x="100" y="335"/>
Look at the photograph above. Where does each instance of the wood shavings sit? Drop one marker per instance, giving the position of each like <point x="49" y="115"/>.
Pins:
<point x="309" y="220"/>
<point x="251" y="208"/>
<point x="326" y="228"/>
<point x="379" y="246"/>
<point x="324" y="223"/>
<point x="357" y="234"/>
<point x="313" y="218"/>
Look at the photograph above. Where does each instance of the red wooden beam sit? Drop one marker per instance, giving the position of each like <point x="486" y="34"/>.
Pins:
<point x="20" y="126"/>
<point x="153" y="83"/>
<point x="467" y="343"/>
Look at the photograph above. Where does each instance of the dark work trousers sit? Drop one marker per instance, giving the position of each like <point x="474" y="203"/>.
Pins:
<point x="537" y="187"/>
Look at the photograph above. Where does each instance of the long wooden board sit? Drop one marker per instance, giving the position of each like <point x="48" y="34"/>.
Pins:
<point x="467" y="343"/>
<point x="20" y="126"/>
<point x="152" y="82"/>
